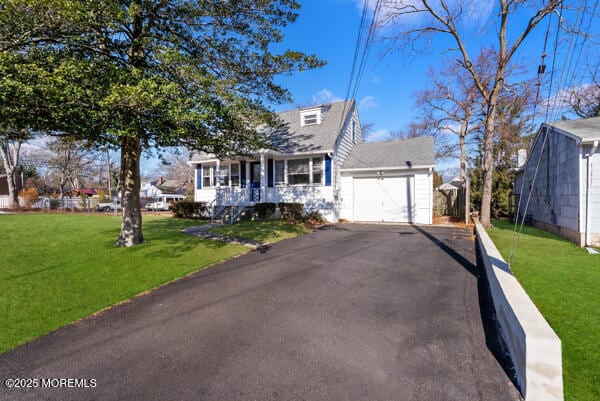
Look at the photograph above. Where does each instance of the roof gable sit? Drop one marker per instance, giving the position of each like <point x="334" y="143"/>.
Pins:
<point x="292" y="136"/>
<point x="585" y="129"/>
<point x="407" y="153"/>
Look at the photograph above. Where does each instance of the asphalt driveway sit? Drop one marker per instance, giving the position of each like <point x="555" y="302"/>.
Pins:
<point x="353" y="312"/>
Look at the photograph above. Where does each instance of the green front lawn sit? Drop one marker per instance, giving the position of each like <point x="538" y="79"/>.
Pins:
<point x="564" y="282"/>
<point x="58" y="268"/>
<point x="265" y="231"/>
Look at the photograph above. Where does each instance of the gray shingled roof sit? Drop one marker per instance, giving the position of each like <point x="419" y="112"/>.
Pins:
<point x="587" y="129"/>
<point x="413" y="152"/>
<point x="291" y="137"/>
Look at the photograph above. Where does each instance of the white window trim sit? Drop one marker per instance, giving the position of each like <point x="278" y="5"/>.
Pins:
<point x="310" y="112"/>
<point x="310" y="172"/>
<point x="214" y="175"/>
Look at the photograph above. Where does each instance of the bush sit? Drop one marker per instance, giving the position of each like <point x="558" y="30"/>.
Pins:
<point x="264" y="210"/>
<point x="291" y="212"/>
<point x="54" y="203"/>
<point x="30" y="196"/>
<point x="102" y="196"/>
<point x="314" y="217"/>
<point x="189" y="209"/>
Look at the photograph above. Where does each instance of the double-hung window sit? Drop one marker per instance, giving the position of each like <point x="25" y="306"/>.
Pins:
<point x="207" y="173"/>
<point x="317" y="171"/>
<point x="279" y="172"/>
<point x="299" y="171"/>
<point x="229" y="175"/>
<point x="235" y="175"/>
<point x="224" y="175"/>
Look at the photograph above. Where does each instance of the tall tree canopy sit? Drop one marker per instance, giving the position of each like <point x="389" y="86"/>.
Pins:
<point x="137" y="74"/>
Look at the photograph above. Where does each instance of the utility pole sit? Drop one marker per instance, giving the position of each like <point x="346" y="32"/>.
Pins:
<point x="109" y="180"/>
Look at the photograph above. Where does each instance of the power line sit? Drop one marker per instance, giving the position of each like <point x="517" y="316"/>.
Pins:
<point x="361" y="51"/>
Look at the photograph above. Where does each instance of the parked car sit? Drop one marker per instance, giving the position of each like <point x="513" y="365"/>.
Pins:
<point x="109" y="206"/>
<point x="162" y="202"/>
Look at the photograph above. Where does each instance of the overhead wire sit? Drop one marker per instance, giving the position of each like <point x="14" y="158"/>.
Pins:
<point x="361" y="51"/>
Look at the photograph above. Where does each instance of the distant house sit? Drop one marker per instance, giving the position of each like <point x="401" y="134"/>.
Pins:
<point x="452" y="185"/>
<point x="161" y="186"/>
<point x="317" y="157"/>
<point x="561" y="181"/>
<point x="4" y="196"/>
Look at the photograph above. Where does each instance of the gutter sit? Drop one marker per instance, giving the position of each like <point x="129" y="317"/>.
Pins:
<point x="588" y="222"/>
<point x="387" y="168"/>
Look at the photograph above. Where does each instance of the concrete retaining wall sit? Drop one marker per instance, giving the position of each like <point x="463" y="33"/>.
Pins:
<point x="534" y="347"/>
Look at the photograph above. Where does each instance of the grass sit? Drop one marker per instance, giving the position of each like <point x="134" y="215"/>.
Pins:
<point x="563" y="280"/>
<point x="265" y="231"/>
<point x="58" y="268"/>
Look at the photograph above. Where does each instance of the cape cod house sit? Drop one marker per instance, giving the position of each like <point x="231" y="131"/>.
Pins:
<point x="558" y="188"/>
<point x="318" y="158"/>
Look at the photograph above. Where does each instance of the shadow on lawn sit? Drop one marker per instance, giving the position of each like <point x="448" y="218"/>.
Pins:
<point x="257" y="230"/>
<point x="493" y="337"/>
<point x="167" y="233"/>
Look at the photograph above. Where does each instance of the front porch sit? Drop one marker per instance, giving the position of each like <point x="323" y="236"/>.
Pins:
<point x="272" y="178"/>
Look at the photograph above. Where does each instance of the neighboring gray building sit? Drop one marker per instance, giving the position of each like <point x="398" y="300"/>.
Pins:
<point x="317" y="157"/>
<point x="561" y="178"/>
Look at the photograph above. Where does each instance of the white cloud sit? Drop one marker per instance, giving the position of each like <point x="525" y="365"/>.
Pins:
<point x="325" y="96"/>
<point x="379" y="135"/>
<point x="476" y="12"/>
<point x="367" y="102"/>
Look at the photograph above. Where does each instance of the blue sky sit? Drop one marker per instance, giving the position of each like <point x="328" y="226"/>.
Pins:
<point x="385" y="97"/>
<point x="328" y="28"/>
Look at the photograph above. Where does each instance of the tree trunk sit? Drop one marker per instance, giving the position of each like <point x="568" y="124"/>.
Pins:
<point x="463" y="151"/>
<point x="487" y="164"/>
<point x="131" y="223"/>
<point x="10" y="159"/>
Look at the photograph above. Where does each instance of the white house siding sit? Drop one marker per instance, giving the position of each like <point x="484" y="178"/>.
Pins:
<point x="595" y="196"/>
<point x="423" y="198"/>
<point x="314" y="198"/>
<point x="343" y="146"/>
<point x="555" y="193"/>
<point x="420" y="182"/>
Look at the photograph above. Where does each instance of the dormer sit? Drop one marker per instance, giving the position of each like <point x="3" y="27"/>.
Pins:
<point x="312" y="116"/>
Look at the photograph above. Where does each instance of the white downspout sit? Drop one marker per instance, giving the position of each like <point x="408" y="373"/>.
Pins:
<point x="430" y="185"/>
<point x="588" y="207"/>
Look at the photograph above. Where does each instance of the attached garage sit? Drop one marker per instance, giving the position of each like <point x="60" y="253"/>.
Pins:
<point x="385" y="199"/>
<point x="388" y="182"/>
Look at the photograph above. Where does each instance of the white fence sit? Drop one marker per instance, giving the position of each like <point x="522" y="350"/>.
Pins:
<point x="55" y="203"/>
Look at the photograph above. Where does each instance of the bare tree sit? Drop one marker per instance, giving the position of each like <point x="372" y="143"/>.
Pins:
<point x="70" y="161"/>
<point x="451" y="105"/>
<point x="413" y="22"/>
<point x="584" y="100"/>
<point x="10" y="149"/>
<point x="174" y="165"/>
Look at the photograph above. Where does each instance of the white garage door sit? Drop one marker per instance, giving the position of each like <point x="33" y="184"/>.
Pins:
<point x="384" y="199"/>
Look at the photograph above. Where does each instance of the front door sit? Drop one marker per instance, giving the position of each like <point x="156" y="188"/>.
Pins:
<point x="255" y="181"/>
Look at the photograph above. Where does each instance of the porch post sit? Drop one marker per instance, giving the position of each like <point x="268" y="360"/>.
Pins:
<point x="263" y="178"/>
<point x="248" y="189"/>
<point x="217" y="174"/>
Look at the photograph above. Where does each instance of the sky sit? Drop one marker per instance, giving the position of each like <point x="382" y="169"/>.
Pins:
<point x="386" y="95"/>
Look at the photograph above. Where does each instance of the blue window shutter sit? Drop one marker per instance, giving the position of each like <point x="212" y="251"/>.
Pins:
<point x="270" y="171"/>
<point x="243" y="174"/>
<point x="198" y="176"/>
<point x="327" y="170"/>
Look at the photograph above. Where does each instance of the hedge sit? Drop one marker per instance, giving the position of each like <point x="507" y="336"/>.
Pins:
<point x="189" y="209"/>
